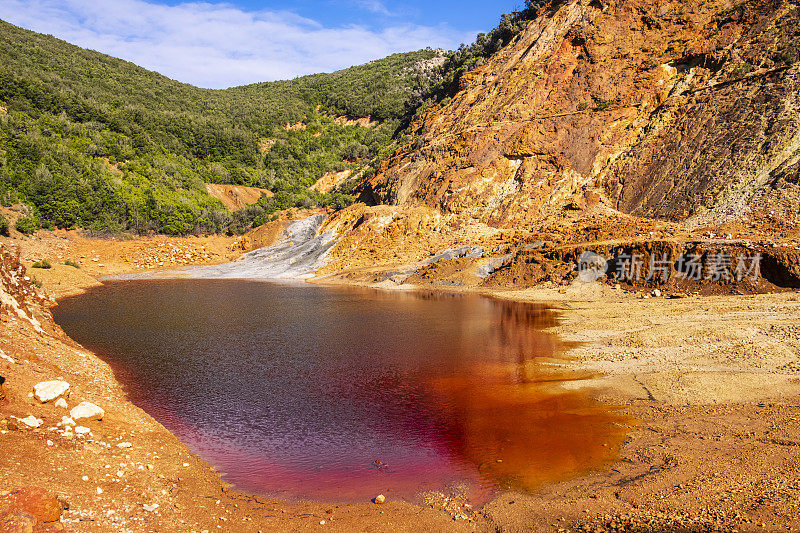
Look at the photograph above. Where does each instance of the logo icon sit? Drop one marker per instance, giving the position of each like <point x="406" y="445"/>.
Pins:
<point x="591" y="267"/>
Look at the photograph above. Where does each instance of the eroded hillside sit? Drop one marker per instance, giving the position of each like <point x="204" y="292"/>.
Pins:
<point x="601" y="124"/>
<point x="675" y="110"/>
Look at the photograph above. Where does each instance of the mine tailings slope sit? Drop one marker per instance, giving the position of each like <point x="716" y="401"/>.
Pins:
<point x="679" y="110"/>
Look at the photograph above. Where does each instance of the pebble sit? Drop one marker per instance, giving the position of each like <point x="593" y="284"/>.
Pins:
<point x="32" y="421"/>
<point x="99" y="490"/>
<point x="150" y="507"/>
<point x="380" y="498"/>
<point x="124" y="445"/>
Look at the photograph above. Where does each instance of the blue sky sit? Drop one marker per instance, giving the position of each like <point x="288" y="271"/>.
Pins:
<point x="467" y="15"/>
<point x="221" y="44"/>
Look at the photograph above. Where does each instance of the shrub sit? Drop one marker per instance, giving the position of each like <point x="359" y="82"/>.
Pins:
<point x="4" y="226"/>
<point x="601" y="105"/>
<point x="42" y="263"/>
<point x="26" y="225"/>
<point x="743" y="69"/>
<point x="70" y="262"/>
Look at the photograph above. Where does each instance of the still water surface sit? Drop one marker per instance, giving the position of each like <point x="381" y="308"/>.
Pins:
<point x="305" y="392"/>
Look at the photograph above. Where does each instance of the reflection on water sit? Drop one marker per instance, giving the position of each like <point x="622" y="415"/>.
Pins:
<point x="309" y="392"/>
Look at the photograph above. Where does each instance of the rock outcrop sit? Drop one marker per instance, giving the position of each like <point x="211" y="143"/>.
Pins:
<point x="676" y="110"/>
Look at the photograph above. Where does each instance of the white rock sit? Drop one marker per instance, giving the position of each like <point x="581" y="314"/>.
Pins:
<point x="657" y="293"/>
<point x="85" y="478"/>
<point x="150" y="508"/>
<point x="82" y="430"/>
<point x="32" y="421"/>
<point x="124" y="445"/>
<point x="99" y="490"/>
<point x="50" y="390"/>
<point x="49" y="443"/>
<point x="67" y="421"/>
<point x="4" y="357"/>
<point x="87" y="411"/>
<point x="62" y="403"/>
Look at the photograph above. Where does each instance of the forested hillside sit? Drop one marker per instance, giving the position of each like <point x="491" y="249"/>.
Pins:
<point x="88" y="140"/>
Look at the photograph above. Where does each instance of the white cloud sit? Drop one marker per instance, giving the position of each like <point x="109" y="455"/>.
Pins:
<point x="374" y="6"/>
<point x="219" y="45"/>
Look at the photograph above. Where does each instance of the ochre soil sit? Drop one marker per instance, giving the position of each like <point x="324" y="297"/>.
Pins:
<point x="235" y="197"/>
<point x="713" y="380"/>
<point x="98" y="257"/>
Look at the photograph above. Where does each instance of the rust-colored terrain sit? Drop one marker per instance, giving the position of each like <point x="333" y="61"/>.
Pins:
<point x="629" y="128"/>
<point x="683" y="110"/>
<point x="235" y="197"/>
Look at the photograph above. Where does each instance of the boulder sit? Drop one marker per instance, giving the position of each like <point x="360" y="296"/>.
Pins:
<point x="50" y="390"/>
<point x="87" y="411"/>
<point x="38" y="503"/>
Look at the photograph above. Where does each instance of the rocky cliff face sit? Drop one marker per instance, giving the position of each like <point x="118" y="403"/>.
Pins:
<point x="678" y="110"/>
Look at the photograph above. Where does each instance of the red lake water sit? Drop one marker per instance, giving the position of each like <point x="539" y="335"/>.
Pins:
<point x="304" y="392"/>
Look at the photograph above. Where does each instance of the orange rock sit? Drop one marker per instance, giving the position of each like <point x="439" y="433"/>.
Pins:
<point x="17" y="522"/>
<point x="50" y="527"/>
<point x="39" y="503"/>
<point x="590" y="96"/>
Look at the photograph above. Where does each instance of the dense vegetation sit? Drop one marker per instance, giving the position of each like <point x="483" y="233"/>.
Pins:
<point x="87" y="140"/>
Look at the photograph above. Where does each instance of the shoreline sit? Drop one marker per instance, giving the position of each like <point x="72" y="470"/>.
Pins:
<point x="642" y="368"/>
